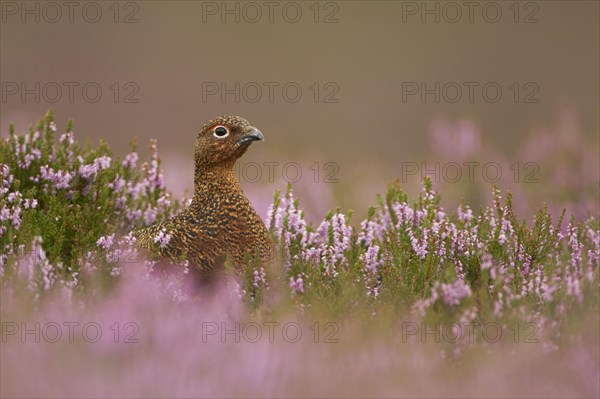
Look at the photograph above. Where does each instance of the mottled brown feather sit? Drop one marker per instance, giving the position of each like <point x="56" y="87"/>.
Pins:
<point x="220" y="221"/>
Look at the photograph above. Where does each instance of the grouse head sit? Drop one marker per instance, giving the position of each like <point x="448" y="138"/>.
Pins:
<point x="224" y="140"/>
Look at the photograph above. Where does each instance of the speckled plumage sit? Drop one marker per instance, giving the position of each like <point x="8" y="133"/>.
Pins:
<point x="220" y="221"/>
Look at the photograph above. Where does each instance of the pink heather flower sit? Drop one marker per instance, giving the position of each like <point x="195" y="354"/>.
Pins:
<point x="15" y="197"/>
<point x="129" y="240"/>
<point x="334" y="252"/>
<point x="573" y="288"/>
<point x="270" y="212"/>
<point x="150" y="216"/>
<point x="113" y="256"/>
<point x="106" y="242"/>
<point x="506" y="229"/>
<point x="120" y="202"/>
<point x="163" y="201"/>
<point x="4" y="214"/>
<point x="67" y="138"/>
<point x="155" y="178"/>
<point x="133" y="215"/>
<point x="546" y="290"/>
<point x="459" y="269"/>
<point x="419" y="245"/>
<point x="30" y="157"/>
<point x="69" y="285"/>
<point x="115" y="271"/>
<point x="486" y="261"/>
<point x="86" y="263"/>
<point x="295" y="221"/>
<point x="278" y="215"/>
<point x="162" y="238"/>
<point x="372" y="259"/>
<point x="371" y="230"/>
<point x="16" y="217"/>
<point x="90" y="171"/>
<point x="259" y="277"/>
<point x="526" y="265"/>
<point x="86" y="190"/>
<point x="186" y="266"/>
<point x="575" y="246"/>
<point x="366" y="234"/>
<point x="235" y="290"/>
<point x="593" y="253"/>
<point x="422" y="305"/>
<point x="103" y="162"/>
<point x="593" y="258"/>
<point x="297" y="285"/>
<point x="117" y="184"/>
<point x="465" y="213"/>
<point x="130" y="160"/>
<point x="453" y="293"/>
<point x="30" y="203"/>
<point x="6" y="177"/>
<point x="52" y="126"/>
<point x="404" y="213"/>
<point x="3" y="259"/>
<point x="323" y="231"/>
<point x="35" y="268"/>
<point x="289" y="225"/>
<point x="137" y="189"/>
<point x="59" y="180"/>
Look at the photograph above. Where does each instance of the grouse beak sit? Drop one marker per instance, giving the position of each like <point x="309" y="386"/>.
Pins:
<point x="253" y="134"/>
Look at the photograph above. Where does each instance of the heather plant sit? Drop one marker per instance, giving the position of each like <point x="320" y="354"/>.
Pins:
<point x="66" y="213"/>
<point x="67" y="210"/>
<point x="487" y="266"/>
<point x="64" y="204"/>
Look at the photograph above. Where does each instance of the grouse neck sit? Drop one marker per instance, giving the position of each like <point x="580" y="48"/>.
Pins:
<point x="211" y="181"/>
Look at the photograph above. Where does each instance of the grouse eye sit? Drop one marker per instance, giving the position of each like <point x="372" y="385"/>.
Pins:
<point x="221" y="132"/>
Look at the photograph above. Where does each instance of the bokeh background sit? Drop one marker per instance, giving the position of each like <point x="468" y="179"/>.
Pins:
<point x="362" y="54"/>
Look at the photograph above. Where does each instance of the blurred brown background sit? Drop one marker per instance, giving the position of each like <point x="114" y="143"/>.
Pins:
<point x="364" y="54"/>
